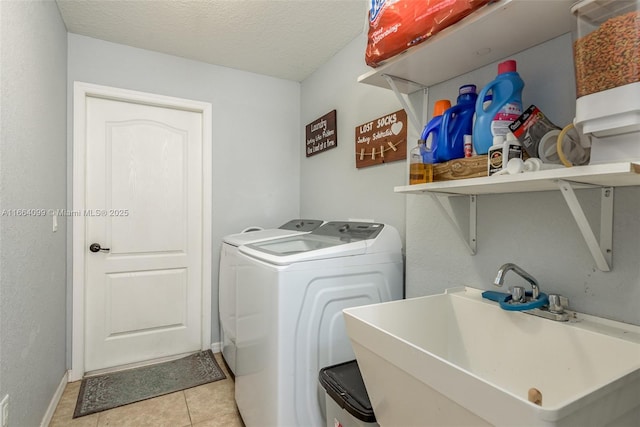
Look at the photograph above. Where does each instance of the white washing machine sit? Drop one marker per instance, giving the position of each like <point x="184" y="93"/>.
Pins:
<point x="290" y="297"/>
<point x="227" y="276"/>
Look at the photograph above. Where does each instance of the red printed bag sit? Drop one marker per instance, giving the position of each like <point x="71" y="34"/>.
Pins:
<point x="396" y="25"/>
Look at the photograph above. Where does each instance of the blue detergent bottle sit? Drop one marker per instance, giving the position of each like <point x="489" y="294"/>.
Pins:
<point x="457" y="122"/>
<point x="493" y="118"/>
<point x="432" y="133"/>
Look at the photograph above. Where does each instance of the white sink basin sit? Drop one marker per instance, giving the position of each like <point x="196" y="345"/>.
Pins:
<point x="455" y="359"/>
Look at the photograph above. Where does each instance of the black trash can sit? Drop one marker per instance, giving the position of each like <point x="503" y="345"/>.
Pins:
<point x="347" y="401"/>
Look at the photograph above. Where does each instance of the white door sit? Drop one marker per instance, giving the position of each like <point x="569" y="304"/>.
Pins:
<point x="143" y="205"/>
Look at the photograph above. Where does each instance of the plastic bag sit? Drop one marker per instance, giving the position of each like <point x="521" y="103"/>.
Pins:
<point x="396" y="25"/>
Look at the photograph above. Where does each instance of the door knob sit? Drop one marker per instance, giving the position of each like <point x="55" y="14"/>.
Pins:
<point x="95" y="247"/>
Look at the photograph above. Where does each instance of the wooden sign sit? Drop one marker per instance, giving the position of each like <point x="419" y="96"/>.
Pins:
<point x="382" y="140"/>
<point x="321" y="134"/>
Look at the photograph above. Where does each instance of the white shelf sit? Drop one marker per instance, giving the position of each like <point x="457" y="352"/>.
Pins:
<point x="605" y="175"/>
<point x="504" y="28"/>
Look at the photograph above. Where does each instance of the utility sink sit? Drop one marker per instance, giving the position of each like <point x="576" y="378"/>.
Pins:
<point x="455" y="359"/>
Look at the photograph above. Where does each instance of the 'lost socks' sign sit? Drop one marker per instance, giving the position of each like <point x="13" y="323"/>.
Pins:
<point x="382" y="140"/>
<point x="321" y="134"/>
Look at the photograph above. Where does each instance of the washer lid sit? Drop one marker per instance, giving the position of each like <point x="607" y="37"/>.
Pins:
<point x="290" y="228"/>
<point x="332" y="240"/>
<point x="257" y="236"/>
<point x="304" y="247"/>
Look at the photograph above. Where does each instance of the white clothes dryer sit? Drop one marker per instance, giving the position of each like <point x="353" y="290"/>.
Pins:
<point x="290" y="297"/>
<point x="227" y="276"/>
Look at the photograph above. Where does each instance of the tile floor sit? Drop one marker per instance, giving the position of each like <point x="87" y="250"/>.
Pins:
<point x="209" y="405"/>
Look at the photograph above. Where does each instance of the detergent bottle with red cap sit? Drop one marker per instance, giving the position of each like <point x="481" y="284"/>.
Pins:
<point x="493" y="118"/>
<point x="432" y="133"/>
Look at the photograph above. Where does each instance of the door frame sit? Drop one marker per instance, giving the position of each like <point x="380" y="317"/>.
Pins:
<point x="82" y="91"/>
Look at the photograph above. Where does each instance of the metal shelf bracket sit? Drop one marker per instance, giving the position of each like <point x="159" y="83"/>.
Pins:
<point x="411" y="113"/>
<point x="470" y="241"/>
<point x="602" y="251"/>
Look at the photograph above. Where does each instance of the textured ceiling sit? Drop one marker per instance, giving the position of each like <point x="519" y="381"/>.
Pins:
<point x="288" y="39"/>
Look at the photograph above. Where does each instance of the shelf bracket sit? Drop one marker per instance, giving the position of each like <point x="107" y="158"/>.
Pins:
<point x="472" y="239"/>
<point x="601" y="251"/>
<point x="411" y="113"/>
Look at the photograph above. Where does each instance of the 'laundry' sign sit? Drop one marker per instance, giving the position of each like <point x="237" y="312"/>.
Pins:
<point x="321" y="134"/>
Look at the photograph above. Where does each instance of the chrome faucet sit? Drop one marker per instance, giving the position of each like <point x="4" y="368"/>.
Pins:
<point x="502" y="271"/>
<point x="553" y="305"/>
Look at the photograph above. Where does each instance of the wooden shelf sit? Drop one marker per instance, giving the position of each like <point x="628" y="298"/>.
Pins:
<point x="493" y="32"/>
<point x="604" y="175"/>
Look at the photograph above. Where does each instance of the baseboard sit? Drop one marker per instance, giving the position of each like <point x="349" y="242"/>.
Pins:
<point x="216" y="347"/>
<point x="48" y="416"/>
